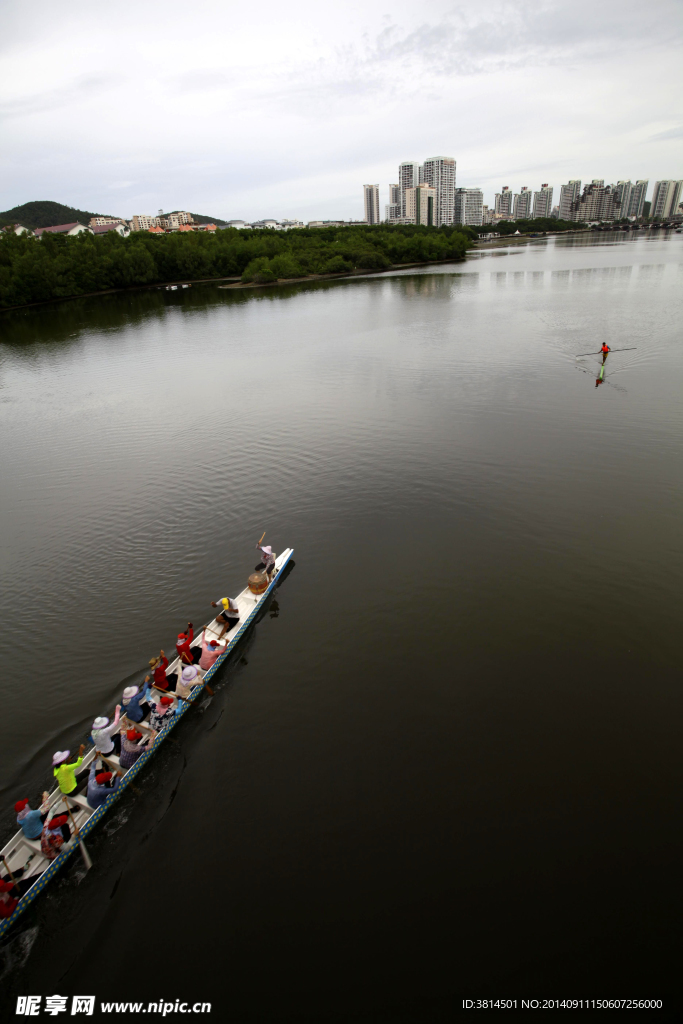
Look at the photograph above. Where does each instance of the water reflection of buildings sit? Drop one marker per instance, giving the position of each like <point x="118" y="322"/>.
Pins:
<point x="436" y="286"/>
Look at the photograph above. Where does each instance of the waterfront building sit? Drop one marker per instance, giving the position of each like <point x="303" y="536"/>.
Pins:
<point x="392" y="211"/>
<point x="408" y="177"/>
<point x="469" y="206"/>
<point x="543" y="201"/>
<point x="486" y="214"/>
<point x="522" y="204"/>
<point x="73" y="228"/>
<point x="555" y="213"/>
<point x="666" y="196"/>
<point x="638" y="193"/>
<point x="141" y="222"/>
<point x="622" y="191"/>
<point x="371" y="203"/>
<point x="597" y="202"/>
<point x="439" y="172"/>
<point x="420" y="203"/>
<point x="503" y="207"/>
<point x="120" y="228"/>
<point x="98" y="222"/>
<point x="569" y="193"/>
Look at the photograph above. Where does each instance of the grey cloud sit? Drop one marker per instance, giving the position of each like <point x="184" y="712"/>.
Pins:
<point x="517" y="34"/>
<point x="672" y="133"/>
<point x="81" y="88"/>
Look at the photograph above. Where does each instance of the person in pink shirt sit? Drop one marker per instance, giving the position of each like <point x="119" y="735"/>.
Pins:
<point x="211" y="651"/>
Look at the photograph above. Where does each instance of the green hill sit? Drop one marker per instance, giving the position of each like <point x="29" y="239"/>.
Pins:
<point x="44" y="213"/>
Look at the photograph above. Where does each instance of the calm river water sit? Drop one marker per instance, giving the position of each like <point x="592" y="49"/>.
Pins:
<point x="447" y="762"/>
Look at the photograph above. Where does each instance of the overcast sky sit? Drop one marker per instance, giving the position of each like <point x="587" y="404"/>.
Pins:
<point x="275" y="109"/>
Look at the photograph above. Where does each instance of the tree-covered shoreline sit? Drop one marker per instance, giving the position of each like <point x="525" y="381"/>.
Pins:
<point x="57" y="266"/>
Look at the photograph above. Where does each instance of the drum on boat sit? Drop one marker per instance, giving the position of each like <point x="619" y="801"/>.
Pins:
<point x="258" y="582"/>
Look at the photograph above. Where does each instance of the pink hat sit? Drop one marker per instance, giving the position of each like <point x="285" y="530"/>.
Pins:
<point x="60" y="756"/>
<point x="268" y="550"/>
<point x="100" y="722"/>
<point x="189" y="673"/>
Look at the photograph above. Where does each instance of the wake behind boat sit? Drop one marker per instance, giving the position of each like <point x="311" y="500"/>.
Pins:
<point x="26" y="866"/>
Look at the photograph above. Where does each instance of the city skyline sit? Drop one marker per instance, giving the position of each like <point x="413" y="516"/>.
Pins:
<point x="287" y="124"/>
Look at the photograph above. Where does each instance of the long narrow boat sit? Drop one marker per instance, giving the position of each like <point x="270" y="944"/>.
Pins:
<point x="21" y="851"/>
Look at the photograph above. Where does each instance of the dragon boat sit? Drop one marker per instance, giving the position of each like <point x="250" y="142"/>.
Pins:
<point x="26" y="854"/>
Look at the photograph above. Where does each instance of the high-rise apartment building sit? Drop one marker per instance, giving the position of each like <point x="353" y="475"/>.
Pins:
<point x="522" y="205"/>
<point x="420" y="203"/>
<point x="371" y="203"/>
<point x="439" y="172"/>
<point x="543" y="201"/>
<point x="408" y="177"/>
<point x="597" y="202"/>
<point x="392" y="211"/>
<point x="666" y="196"/>
<point x="622" y="191"/>
<point x="569" y="193"/>
<point x="469" y="206"/>
<point x="486" y="214"/>
<point x="503" y="206"/>
<point x="638" y="193"/>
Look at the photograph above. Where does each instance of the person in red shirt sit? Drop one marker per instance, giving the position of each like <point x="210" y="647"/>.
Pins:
<point x="187" y="654"/>
<point x="159" y="665"/>
<point x="605" y="350"/>
<point x="7" y="902"/>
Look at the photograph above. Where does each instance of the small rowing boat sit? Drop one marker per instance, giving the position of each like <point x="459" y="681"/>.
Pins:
<point x="26" y="854"/>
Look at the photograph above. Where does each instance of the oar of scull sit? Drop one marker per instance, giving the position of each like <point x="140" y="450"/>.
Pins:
<point x="581" y="354"/>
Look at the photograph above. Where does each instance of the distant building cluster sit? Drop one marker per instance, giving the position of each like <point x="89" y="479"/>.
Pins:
<point x="427" y="194"/>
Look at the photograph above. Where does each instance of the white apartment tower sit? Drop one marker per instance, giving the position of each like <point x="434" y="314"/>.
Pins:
<point x="543" y="201"/>
<point x="569" y="193"/>
<point x="439" y="172"/>
<point x="469" y="206"/>
<point x="503" y="205"/>
<point x="371" y="203"/>
<point x="420" y="203"/>
<point x="408" y="177"/>
<point x="638" y="193"/>
<point x="522" y="207"/>
<point x="666" y="196"/>
<point x="392" y="211"/>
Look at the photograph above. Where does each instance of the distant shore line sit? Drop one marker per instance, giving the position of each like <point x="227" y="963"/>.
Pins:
<point x="234" y="282"/>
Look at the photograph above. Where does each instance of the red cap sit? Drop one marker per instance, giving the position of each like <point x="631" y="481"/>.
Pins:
<point x="19" y="805"/>
<point x="57" y="822"/>
<point x="166" y="701"/>
<point x="103" y="777"/>
<point x="6" y="886"/>
<point x="133" y="735"/>
<point x="182" y="636"/>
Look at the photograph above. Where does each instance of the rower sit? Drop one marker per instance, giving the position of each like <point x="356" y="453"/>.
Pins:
<point x="187" y="655"/>
<point x="605" y="350"/>
<point x="268" y="563"/>
<point x="229" y="615"/>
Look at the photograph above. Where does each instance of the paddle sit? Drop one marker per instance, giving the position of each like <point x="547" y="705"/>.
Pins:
<point x="117" y="771"/>
<point x="84" y="852"/>
<point x="14" y="881"/>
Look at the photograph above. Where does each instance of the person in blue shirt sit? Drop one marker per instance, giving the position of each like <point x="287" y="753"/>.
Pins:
<point x="133" y="697"/>
<point x="31" y="822"/>
<point x="100" y="786"/>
